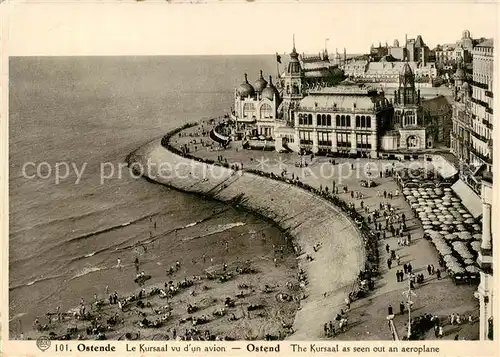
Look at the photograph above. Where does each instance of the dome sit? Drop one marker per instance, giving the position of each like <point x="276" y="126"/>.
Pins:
<point x="270" y="91"/>
<point x="245" y="89"/>
<point x="459" y="74"/>
<point x="260" y="84"/>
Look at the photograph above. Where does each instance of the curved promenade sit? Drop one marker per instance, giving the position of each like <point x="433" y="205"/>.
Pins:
<point x="308" y="218"/>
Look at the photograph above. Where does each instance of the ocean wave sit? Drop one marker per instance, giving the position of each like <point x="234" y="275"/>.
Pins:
<point x="219" y="229"/>
<point x="192" y="224"/>
<point x="87" y="270"/>
<point x="35" y="281"/>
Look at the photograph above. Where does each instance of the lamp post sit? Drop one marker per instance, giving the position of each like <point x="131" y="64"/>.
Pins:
<point x="409" y="293"/>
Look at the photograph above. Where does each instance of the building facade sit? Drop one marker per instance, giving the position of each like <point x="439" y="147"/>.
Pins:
<point x="342" y="119"/>
<point x="482" y="105"/>
<point x="256" y="107"/>
<point x="471" y="142"/>
<point x="486" y="289"/>
<point x="471" y="139"/>
<point x="450" y="52"/>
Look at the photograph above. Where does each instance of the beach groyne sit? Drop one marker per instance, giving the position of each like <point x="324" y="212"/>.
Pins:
<point x="308" y="218"/>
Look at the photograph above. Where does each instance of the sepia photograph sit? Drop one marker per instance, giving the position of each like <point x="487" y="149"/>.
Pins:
<point x="252" y="172"/>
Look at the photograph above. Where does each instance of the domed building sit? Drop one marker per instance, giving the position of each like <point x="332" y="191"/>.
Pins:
<point x="255" y="107"/>
<point x="260" y="84"/>
<point x="245" y="90"/>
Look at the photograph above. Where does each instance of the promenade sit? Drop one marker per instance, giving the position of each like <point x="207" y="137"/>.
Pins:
<point x="367" y="317"/>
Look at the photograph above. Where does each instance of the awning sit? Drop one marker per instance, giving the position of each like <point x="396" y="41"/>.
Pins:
<point x="469" y="198"/>
<point x="443" y="166"/>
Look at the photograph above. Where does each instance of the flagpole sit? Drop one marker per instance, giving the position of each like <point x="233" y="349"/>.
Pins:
<point x="277" y="68"/>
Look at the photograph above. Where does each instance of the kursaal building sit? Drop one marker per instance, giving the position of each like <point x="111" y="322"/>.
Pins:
<point x="306" y="111"/>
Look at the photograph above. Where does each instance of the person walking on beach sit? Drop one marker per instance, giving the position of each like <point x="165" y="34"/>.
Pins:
<point x="387" y="248"/>
<point x="409" y="268"/>
<point x="136" y="263"/>
<point x="429" y="269"/>
<point x="405" y="268"/>
<point x="389" y="263"/>
<point x="118" y="263"/>
<point x="438" y="274"/>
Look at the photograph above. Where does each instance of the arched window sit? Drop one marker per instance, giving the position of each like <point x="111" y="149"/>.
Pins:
<point x="248" y="110"/>
<point x="348" y="120"/>
<point x="342" y="120"/>
<point x="409" y="118"/>
<point x="318" y="119"/>
<point x="337" y="120"/>
<point x="310" y="119"/>
<point x="363" y="122"/>
<point x="266" y="111"/>
<point x="300" y="119"/>
<point x="368" y="122"/>
<point x="329" y="120"/>
<point x="358" y="123"/>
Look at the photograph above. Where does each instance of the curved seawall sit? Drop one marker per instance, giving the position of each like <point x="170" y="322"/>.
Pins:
<point x="308" y="218"/>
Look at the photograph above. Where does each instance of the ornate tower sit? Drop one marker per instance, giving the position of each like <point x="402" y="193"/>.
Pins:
<point x="407" y="111"/>
<point x="407" y="99"/>
<point x="292" y="86"/>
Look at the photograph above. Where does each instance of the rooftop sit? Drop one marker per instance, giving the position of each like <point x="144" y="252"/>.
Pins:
<point x="349" y="88"/>
<point x="340" y="101"/>
<point x="486" y="43"/>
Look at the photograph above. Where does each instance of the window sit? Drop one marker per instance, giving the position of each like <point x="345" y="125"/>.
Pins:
<point x="305" y="137"/>
<point x="342" y="120"/>
<point x="337" y="120"/>
<point x="301" y="119"/>
<point x="248" y="110"/>
<point x="368" y="122"/>
<point x="363" y="123"/>
<point x="329" y="120"/>
<point x="358" y="122"/>
<point x="324" y="139"/>
<point x="266" y="111"/>
<point x="310" y="119"/>
<point x="348" y="120"/>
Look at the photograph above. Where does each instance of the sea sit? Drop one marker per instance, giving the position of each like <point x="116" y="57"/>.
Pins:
<point x="76" y="213"/>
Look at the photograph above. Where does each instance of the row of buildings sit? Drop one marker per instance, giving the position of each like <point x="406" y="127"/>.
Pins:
<point x="307" y="111"/>
<point x="384" y="64"/>
<point x="472" y="143"/>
